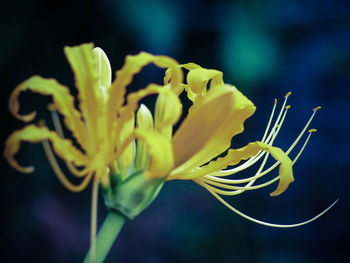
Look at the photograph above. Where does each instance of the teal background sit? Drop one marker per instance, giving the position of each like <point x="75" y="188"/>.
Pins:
<point x="265" y="48"/>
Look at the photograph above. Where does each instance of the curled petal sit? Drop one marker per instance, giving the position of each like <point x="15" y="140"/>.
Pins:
<point x="124" y="76"/>
<point x="31" y="133"/>
<point x="233" y="157"/>
<point x="132" y="66"/>
<point x="198" y="78"/>
<point x="127" y="111"/>
<point x="63" y="102"/>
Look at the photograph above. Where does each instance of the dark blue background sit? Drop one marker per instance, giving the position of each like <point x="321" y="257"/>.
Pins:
<point x="265" y="48"/>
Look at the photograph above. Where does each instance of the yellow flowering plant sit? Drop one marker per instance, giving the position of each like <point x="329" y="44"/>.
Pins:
<point x="130" y="153"/>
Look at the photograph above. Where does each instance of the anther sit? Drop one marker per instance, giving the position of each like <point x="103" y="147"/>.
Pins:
<point x="287" y="95"/>
<point x="287" y="107"/>
<point x="317" y="108"/>
<point x="275" y="102"/>
<point x="312" y="130"/>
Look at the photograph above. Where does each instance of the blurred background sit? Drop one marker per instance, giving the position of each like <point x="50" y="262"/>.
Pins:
<point x="265" y="48"/>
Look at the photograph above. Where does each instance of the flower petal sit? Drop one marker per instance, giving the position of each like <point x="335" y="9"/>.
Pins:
<point x="125" y="160"/>
<point x="63" y="102"/>
<point x="32" y="133"/>
<point x="124" y="76"/>
<point x="159" y="150"/>
<point x="198" y="78"/>
<point x="126" y="113"/>
<point x="167" y="112"/>
<point x="234" y="156"/>
<point x="211" y="123"/>
<point x="144" y="121"/>
<point x="85" y="67"/>
<point x="104" y="70"/>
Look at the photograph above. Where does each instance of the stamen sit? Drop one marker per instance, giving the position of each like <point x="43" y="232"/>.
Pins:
<point x="58" y="128"/>
<point x="60" y="175"/>
<point x="267" y="223"/>
<point x="224" y="182"/>
<point x="287" y="95"/>
<point x="270" y="120"/>
<point x="239" y="168"/>
<point x="303" y="131"/>
<point x="272" y="136"/>
<point x="302" y="148"/>
<point x="238" y="189"/>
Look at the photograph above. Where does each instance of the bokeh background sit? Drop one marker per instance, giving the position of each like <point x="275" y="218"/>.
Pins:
<point x="265" y="48"/>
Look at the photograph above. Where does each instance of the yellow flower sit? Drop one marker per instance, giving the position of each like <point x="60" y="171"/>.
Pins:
<point x="103" y="124"/>
<point x="217" y="114"/>
<point x="105" y="131"/>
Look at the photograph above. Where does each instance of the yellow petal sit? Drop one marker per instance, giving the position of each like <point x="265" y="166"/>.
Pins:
<point x="167" y="112"/>
<point x="125" y="160"/>
<point x="124" y="76"/>
<point x="211" y="123"/>
<point x="134" y="64"/>
<point x="144" y="118"/>
<point x="198" y="78"/>
<point x="126" y="113"/>
<point x="32" y="133"/>
<point x="158" y="148"/>
<point x="63" y="102"/>
<point x="233" y="157"/>
<point x="85" y="67"/>
<point x="104" y="71"/>
<point x="144" y="121"/>
<point x="104" y="85"/>
<point x="160" y="151"/>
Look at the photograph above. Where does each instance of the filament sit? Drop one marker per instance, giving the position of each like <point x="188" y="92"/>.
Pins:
<point x="60" y="175"/>
<point x="214" y="176"/>
<point x="272" y="136"/>
<point x="270" y="120"/>
<point x="267" y="223"/>
<point x="225" y="183"/>
<point x="59" y="130"/>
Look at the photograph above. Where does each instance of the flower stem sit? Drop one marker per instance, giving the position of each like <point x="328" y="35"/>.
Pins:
<point x="107" y="235"/>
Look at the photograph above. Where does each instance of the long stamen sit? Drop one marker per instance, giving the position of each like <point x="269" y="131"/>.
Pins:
<point x="256" y="157"/>
<point x="58" y="127"/>
<point x="267" y="223"/>
<point x="214" y="176"/>
<point x="239" y="189"/>
<point x="304" y="145"/>
<point x="226" y="183"/>
<point x="60" y="175"/>
<point x="270" y="120"/>
<point x="304" y="130"/>
<point x="272" y="136"/>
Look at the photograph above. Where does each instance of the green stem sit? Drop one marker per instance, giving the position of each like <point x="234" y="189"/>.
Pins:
<point x="107" y="235"/>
